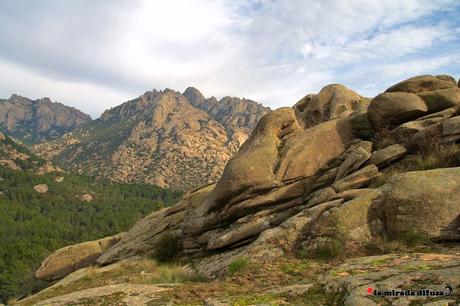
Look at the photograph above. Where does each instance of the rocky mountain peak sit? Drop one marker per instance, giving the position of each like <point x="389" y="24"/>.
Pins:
<point x="194" y="96"/>
<point x="37" y="120"/>
<point x="163" y="137"/>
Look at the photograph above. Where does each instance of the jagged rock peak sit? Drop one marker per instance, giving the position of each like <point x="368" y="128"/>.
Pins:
<point x="194" y="96"/>
<point x="33" y="121"/>
<point x="161" y="137"/>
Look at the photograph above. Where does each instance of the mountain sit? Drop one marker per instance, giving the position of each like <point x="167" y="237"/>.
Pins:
<point x="338" y="200"/>
<point x="163" y="138"/>
<point x="32" y="121"/>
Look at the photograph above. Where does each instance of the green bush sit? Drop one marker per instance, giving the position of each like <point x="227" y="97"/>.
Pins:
<point x="414" y="237"/>
<point x="361" y="127"/>
<point x="173" y="274"/>
<point x="325" y="250"/>
<point x="238" y="265"/>
<point x="382" y="245"/>
<point x="168" y="248"/>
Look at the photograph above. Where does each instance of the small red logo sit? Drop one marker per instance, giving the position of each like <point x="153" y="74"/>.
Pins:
<point x="370" y="290"/>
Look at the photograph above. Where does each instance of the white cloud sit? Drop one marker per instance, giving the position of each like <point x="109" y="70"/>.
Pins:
<point x="271" y="51"/>
<point x="91" y="98"/>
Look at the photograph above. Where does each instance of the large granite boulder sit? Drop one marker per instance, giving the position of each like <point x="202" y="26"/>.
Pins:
<point x="440" y="99"/>
<point x="272" y="154"/>
<point x="421" y="83"/>
<point x="353" y="222"/>
<point x="71" y="258"/>
<point x="332" y="102"/>
<point x="424" y="201"/>
<point x="451" y="129"/>
<point x="391" y="109"/>
<point x="254" y="163"/>
<point x="276" y="163"/>
<point x="448" y="78"/>
<point x="406" y="130"/>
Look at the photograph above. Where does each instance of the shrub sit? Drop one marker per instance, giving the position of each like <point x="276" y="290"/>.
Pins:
<point x="167" y="249"/>
<point x="403" y="243"/>
<point x="237" y="265"/>
<point x="434" y="153"/>
<point x="173" y="274"/>
<point x="361" y="127"/>
<point x="382" y="245"/>
<point x="415" y="237"/>
<point x="324" y="250"/>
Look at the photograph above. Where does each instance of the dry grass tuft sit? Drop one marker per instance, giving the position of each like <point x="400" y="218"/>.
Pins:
<point x="434" y="154"/>
<point x="173" y="274"/>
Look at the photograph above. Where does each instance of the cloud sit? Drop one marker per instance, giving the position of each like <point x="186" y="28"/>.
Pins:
<point x="92" y="98"/>
<point x="271" y="51"/>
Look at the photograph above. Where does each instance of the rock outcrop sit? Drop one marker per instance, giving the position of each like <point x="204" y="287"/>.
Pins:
<point x="301" y="185"/>
<point x="422" y="83"/>
<point x="33" y="121"/>
<point x="71" y="258"/>
<point x="392" y="272"/>
<point x="289" y="168"/>
<point x="332" y="102"/>
<point x="411" y="99"/>
<point x="394" y="108"/>
<point x="164" y="138"/>
<point x="423" y="201"/>
<point x="41" y="188"/>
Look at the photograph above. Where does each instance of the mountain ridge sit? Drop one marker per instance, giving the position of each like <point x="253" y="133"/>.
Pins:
<point x="160" y="138"/>
<point x="33" y="121"/>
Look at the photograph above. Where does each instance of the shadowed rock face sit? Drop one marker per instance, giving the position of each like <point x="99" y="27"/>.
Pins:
<point x="33" y="121"/>
<point x="163" y="138"/>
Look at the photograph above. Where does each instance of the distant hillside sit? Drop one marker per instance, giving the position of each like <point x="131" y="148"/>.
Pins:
<point x="33" y="121"/>
<point x="163" y="138"/>
<point x="43" y="208"/>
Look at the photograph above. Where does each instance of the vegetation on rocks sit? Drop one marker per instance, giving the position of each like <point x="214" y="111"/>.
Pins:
<point x="237" y="265"/>
<point x="168" y="248"/>
<point x="435" y="154"/>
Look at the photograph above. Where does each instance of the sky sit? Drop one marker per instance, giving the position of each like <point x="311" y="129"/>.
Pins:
<point x="94" y="55"/>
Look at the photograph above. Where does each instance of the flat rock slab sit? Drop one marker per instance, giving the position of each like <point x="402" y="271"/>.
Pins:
<point x="413" y="271"/>
<point x="387" y="155"/>
<point x="357" y="179"/>
<point x="120" y="294"/>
